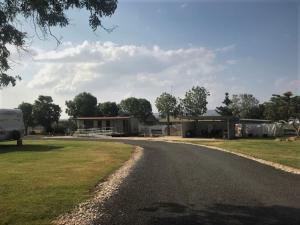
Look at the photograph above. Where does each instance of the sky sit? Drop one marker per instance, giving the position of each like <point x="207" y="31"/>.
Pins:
<point x="164" y="46"/>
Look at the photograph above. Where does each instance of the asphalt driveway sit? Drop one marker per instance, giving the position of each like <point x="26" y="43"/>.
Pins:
<point x="185" y="184"/>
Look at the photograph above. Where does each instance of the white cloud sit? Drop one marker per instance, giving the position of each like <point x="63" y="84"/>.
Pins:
<point x="226" y="48"/>
<point x="113" y="72"/>
<point x="231" y="61"/>
<point x="183" y="5"/>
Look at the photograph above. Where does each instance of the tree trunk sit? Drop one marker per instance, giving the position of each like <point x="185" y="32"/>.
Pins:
<point x="168" y="124"/>
<point x="197" y="133"/>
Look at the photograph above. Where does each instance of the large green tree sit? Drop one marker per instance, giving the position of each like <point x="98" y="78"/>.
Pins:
<point x="257" y="112"/>
<point x="84" y="104"/>
<point x="225" y="110"/>
<point x="108" y="109"/>
<point x="195" y="102"/>
<point x="138" y="107"/>
<point x="243" y="105"/>
<point x="166" y="105"/>
<point x="45" y="112"/>
<point x="26" y="109"/>
<point x="282" y="107"/>
<point x="44" y="14"/>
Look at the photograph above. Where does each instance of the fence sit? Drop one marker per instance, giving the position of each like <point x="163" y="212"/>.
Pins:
<point x="94" y="132"/>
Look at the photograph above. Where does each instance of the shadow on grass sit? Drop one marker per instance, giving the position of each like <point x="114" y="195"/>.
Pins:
<point x="6" y="148"/>
<point x="168" y="213"/>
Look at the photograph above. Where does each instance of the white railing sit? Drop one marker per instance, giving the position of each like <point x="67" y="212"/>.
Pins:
<point x="94" y="132"/>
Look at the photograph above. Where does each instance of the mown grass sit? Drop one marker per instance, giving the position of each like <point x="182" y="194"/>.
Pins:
<point x="283" y="152"/>
<point x="46" y="178"/>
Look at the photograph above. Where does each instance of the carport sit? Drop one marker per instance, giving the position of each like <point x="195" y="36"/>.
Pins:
<point x="209" y="126"/>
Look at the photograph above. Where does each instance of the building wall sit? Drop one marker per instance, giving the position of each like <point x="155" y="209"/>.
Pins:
<point x="159" y="130"/>
<point x="80" y="124"/>
<point x="149" y="130"/>
<point x="117" y="126"/>
<point x="134" y="126"/>
<point x="175" y="129"/>
<point x="187" y="128"/>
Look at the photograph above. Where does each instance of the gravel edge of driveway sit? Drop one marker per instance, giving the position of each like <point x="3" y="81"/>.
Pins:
<point x="87" y="212"/>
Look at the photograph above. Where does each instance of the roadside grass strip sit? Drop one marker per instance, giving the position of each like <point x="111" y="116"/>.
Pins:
<point x="286" y="153"/>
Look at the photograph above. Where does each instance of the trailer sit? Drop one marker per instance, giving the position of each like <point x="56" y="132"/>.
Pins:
<point x="11" y="125"/>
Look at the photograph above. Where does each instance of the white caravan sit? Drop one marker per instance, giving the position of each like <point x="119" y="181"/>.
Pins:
<point x="11" y="125"/>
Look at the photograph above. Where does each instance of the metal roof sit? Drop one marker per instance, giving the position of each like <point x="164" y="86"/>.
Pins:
<point x="210" y="118"/>
<point x="245" y="120"/>
<point x="104" y="118"/>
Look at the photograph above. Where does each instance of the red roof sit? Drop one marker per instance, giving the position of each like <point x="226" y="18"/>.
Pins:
<point x="104" y="118"/>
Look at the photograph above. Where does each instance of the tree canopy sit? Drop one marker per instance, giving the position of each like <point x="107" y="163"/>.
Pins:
<point x="45" y="112"/>
<point x="108" y="109"/>
<point x="282" y="107"/>
<point x="84" y="104"/>
<point x="44" y="14"/>
<point x="225" y="110"/>
<point x="243" y="105"/>
<point x="138" y="107"/>
<point x="194" y="102"/>
<point x="166" y="105"/>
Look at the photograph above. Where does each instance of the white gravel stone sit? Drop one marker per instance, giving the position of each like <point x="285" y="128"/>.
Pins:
<point x="89" y="211"/>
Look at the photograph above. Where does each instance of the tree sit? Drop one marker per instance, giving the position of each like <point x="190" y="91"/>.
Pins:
<point x="138" y="107"/>
<point x="145" y="108"/>
<point x="26" y="109"/>
<point x="45" y="112"/>
<point x="282" y="107"/>
<point x="84" y="104"/>
<point x="243" y="104"/>
<point x="108" y="109"/>
<point x="225" y="110"/>
<point x="45" y="15"/>
<point x="257" y="112"/>
<point x="166" y="105"/>
<point x="195" y="101"/>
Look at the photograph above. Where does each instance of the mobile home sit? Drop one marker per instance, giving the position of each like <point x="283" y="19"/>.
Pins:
<point x="11" y="125"/>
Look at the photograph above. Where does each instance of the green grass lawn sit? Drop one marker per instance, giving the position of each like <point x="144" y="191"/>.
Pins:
<point x="46" y="178"/>
<point x="283" y="152"/>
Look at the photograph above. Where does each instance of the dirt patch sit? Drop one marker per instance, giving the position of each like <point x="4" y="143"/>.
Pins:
<point x="89" y="211"/>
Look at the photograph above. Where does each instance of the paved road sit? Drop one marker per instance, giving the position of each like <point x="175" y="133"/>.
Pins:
<point x="184" y="184"/>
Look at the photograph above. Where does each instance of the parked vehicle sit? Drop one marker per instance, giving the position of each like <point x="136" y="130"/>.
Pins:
<point x="11" y="125"/>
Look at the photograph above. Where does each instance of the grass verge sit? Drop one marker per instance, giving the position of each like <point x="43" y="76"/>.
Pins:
<point x="282" y="152"/>
<point x="46" y="178"/>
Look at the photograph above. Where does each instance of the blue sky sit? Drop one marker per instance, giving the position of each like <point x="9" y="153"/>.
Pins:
<point x="240" y="47"/>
